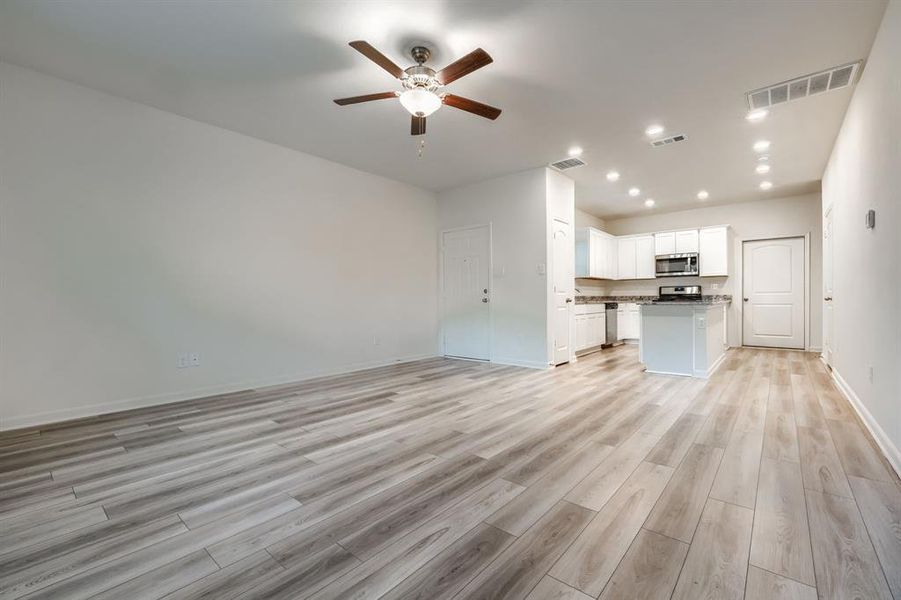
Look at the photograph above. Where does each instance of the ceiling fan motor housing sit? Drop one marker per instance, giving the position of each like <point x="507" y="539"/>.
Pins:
<point x="420" y="77"/>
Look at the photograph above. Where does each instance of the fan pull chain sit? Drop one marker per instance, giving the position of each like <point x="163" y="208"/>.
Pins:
<point x="421" y="147"/>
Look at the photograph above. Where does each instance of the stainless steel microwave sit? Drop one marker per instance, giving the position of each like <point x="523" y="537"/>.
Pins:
<point x="677" y="265"/>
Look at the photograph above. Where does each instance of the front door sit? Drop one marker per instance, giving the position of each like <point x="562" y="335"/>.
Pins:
<point x="773" y="293"/>
<point x="563" y="290"/>
<point x="466" y="320"/>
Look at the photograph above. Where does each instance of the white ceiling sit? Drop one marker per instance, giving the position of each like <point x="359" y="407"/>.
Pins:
<point x="592" y="74"/>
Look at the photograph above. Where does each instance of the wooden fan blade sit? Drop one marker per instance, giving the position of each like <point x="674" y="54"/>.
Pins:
<point x="476" y="108"/>
<point x="476" y="59"/>
<point x="417" y="126"/>
<point x="377" y="57"/>
<point x="366" y="98"/>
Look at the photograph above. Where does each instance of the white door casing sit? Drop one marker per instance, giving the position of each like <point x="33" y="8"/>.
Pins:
<point x="773" y="293"/>
<point x="563" y="284"/>
<point x="828" y="288"/>
<point x="466" y="263"/>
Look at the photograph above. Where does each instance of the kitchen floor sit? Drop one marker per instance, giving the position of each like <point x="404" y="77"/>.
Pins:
<point x="454" y="479"/>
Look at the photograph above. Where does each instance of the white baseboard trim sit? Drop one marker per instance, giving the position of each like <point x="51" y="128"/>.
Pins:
<point x="513" y="362"/>
<point x="882" y="440"/>
<point x="716" y="365"/>
<point x="92" y="410"/>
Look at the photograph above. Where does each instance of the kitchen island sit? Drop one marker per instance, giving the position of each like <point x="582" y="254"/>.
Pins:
<point x="683" y="338"/>
<point x="678" y="337"/>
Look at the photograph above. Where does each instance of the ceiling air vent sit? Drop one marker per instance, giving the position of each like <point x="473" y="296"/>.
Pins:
<point x="567" y="163"/>
<point x="801" y="87"/>
<point x="668" y="140"/>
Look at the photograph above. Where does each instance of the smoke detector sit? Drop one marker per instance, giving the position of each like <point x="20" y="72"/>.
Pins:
<point x="568" y="163"/>
<point x="834" y="78"/>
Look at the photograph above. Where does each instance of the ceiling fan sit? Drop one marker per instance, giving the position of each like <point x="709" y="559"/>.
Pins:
<point x="423" y="92"/>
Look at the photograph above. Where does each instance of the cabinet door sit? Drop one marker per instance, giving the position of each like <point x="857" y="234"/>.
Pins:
<point x="665" y="243"/>
<point x="644" y="257"/>
<point x="621" y="324"/>
<point x="611" y="266"/>
<point x="594" y="253"/>
<point x="634" y="318"/>
<point x="626" y="258"/>
<point x="596" y="330"/>
<point x="686" y="241"/>
<point x="580" y="323"/>
<point x="714" y="252"/>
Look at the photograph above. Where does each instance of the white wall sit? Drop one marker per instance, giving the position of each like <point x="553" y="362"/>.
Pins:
<point x="584" y="219"/>
<point x="129" y="235"/>
<point x="777" y="217"/>
<point x="864" y="172"/>
<point x="515" y="206"/>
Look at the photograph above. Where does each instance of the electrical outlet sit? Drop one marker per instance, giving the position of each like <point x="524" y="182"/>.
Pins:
<point x="870" y="373"/>
<point x="195" y="359"/>
<point x="376" y="340"/>
<point x="183" y="361"/>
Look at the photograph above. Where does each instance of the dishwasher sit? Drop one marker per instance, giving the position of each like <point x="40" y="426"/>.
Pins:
<point x="612" y="337"/>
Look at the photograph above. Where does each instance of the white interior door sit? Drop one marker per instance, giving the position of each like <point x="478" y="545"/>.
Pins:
<point x="773" y="293"/>
<point x="828" y="336"/>
<point x="563" y="290"/>
<point x="466" y="293"/>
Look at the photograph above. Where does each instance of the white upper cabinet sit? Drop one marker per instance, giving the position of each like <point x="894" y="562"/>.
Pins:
<point x="665" y="243"/>
<point x="686" y="241"/>
<point x="595" y="254"/>
<point x="626" y="258"/>
<point x="600" y="255"/>
<point x="645" y="266"/>
<point x="714" y="251"/>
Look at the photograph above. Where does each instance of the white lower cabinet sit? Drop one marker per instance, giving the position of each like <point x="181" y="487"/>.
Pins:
<point x="628" y="317"/>
<point x="590" y="323"/>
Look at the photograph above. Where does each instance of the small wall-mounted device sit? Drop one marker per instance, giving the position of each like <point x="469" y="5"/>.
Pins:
<point x="871" y="219"/>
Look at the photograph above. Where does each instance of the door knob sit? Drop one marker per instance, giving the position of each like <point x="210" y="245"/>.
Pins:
<point x="569" y="299"/>
<point x="745" y="299"/>
<point x="485" y="300"/>
<point x="828" y="298"/>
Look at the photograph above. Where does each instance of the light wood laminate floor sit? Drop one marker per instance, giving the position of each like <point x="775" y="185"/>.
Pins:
<point x="453" y="479"/>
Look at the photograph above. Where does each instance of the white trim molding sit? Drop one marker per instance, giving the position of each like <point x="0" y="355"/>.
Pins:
<point x="105" y="408"/>
<point x="882" y="439"/>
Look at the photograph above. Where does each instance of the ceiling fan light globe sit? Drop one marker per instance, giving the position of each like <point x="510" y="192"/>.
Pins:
<point x="419" y="102"/>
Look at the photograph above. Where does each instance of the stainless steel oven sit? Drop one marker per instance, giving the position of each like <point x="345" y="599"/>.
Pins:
<point x="677" y="265"/>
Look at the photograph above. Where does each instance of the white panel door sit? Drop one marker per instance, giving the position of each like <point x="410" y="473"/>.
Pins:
<point x="686" y="241"/>
<point x="828" y="336"/>
<point x="626" y="258"/>
<point x="563" y="290"/>
<point x="664" y="243"/>
<point x="773" y="293"/>
<point x="466" y="263"/>
<point x="644" y="257"/>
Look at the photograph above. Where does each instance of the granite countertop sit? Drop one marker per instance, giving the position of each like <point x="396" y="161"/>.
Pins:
<point x="705" y="299"/>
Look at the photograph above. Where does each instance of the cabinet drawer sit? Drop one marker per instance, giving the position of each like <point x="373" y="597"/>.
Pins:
<point x="589" y="309"/>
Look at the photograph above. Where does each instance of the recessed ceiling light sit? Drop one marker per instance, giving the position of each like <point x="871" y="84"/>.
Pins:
<point x="634" y="192"/>
<point x="613" y="176"/>
<point x="649" y="203"/>
<point x="757" y="115"/>
<point x="762" y="169"/>
<point x="653" y="130"/>
<point x="703" y="195"/>
<point x="761" y="146"/>
<point x="575" y="151"/>
<point x="765" y="185"/>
